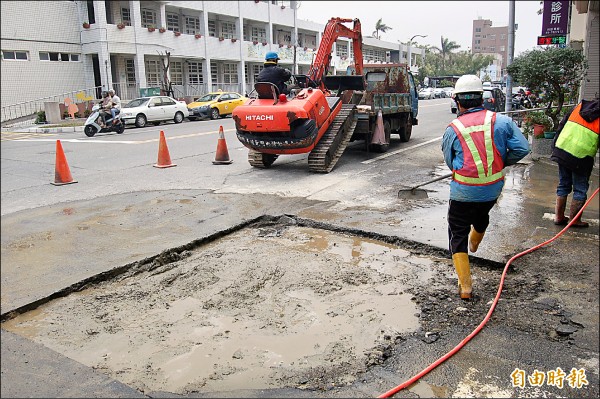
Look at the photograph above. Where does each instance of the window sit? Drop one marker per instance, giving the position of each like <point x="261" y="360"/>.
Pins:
<point x="503" y="36"/>
<point x="228" y="30"/>
<point x="258" y="34"/>
<point x="341" y="49"/>
<point x="493" y="48"/>
<point x="126" y="16"/>
<point x="214" y="72"/>
<point x="192" y="25"/>
<point x="153" y="69"/>
<point x="477" y="29"/>
<point x="374" y="54"/>
<point x="172" y="22"/>
<point x="130" y="71"/>
<point x="15" y="55"/>
<point x="212" y="28"/>
<point x="492" y="37"/>
<point x="502" y="48"/>
<point x="167" y="101"/>
<point x="176" y="70"/>
<point x="49" y="56"/>
<point x="230" y="74"/>
<point x="148" y="18"/>
<point x="195" y="73"/>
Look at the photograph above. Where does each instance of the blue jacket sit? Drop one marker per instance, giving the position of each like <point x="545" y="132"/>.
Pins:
<point x="509" y="141"/>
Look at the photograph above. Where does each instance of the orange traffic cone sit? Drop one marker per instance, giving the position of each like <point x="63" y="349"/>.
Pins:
<point x="62" y="174"/>
<point x="164" y="159"/>
<point x="222" y="156"/>
<point x="379" y="133"/>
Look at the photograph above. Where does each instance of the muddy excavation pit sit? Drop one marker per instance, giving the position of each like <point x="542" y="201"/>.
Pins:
<point x="278" y="302"/>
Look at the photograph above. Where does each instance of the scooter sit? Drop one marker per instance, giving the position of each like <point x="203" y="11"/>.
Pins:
<point x="92" y="124"/>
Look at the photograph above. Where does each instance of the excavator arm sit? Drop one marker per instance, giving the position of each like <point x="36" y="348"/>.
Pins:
<point x="335" y="29"/>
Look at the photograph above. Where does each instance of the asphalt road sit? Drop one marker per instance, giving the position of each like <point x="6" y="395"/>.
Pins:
<point x="122" y="210"/>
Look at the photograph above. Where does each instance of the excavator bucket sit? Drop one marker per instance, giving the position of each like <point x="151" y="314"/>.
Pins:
<point x="344" y="82"/>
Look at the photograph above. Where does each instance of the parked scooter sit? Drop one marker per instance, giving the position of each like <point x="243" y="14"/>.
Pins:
<point x="92" y="124"/>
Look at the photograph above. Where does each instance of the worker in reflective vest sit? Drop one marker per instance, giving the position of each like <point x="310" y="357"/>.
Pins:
<point x="477" y="145"/>
<point x="574" y="148"/>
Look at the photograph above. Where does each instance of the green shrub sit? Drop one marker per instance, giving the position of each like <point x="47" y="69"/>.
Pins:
<point x="40" y="117"/>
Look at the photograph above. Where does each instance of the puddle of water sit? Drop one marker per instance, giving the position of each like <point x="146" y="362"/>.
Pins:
<point x="249" y="311"/>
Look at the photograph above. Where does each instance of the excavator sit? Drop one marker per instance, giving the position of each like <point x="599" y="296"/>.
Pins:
<point x="319" y="116"/>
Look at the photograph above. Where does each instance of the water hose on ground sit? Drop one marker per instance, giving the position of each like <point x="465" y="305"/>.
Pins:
<point x="490" y="311"/>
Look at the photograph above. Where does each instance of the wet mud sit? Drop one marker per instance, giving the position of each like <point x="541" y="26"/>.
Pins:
<point x="278" y="305"/>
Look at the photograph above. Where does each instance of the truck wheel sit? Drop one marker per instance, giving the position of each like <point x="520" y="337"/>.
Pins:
<point x="387" y="130"/>
<point x="406" y="130"/>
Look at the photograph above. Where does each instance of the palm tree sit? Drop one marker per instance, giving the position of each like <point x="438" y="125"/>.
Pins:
<point x="380" y="27"/>
<point x="446" y="49"/>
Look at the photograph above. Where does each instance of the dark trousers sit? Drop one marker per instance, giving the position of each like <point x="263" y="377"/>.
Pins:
<point x="569" y="180"/>
<point x="461" y="215"/>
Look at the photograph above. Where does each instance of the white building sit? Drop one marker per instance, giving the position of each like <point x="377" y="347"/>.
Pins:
<point x="58" y="48"/>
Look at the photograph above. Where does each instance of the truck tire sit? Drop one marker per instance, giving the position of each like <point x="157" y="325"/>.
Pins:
<point x="406" y="130"/>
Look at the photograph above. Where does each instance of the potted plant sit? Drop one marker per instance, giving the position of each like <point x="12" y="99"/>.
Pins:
<point x="162" y="29"/>
<point x="233" y="40"/>
<point x="121" y="25"/>
<point x="86" y="25"/>
<point x="254" y="42"/>
<point x="177" y="33"/>
<point x="280" y="45"/>
<point x="539" y="121"/>
<point x="151" y="28"/>
<point x="221" y="38"/>
<point x="289" y="46"/>
<point x="264" y="43"/>
<point x="197" y="35"/>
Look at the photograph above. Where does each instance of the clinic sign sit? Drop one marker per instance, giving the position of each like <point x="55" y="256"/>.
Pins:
<point x="555" y="17"/>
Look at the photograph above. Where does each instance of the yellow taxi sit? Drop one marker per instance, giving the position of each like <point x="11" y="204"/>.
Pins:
<point x="215" y="105"/>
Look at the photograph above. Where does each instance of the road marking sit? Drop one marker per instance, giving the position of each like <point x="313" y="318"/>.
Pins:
<point x="432" y="105"/>
<point x="21" y="136"/>
<point x="389" y="154"/>
<point x="90" y="140"/>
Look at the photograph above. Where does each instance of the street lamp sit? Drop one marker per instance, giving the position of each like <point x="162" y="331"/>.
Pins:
<point x="409" y="47"/>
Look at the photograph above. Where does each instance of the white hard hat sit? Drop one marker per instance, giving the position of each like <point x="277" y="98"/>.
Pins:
<point x="468" y="84"/>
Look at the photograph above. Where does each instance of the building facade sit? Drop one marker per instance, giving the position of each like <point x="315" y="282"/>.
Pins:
<point x="487" y="39"/>
<point x="61" y="47"/>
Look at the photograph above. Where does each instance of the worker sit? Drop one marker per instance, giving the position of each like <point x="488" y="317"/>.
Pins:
<point x="115" y="104"/>
<point x="104" y="109"/>
<point x="574" y="148"/>
<point x="477" y="145"/>
<point x="274" y="73"/>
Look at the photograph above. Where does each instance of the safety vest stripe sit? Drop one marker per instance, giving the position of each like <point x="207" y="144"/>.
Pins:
<point x="479" y="180"/>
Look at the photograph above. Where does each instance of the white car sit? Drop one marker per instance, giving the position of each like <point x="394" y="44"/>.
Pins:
<point x="426" y="93"/>
<point x="155" y="109"/>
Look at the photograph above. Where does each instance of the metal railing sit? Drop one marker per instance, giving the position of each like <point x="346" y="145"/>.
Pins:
<point x="127" y="91"/>
<point x="519" y="115"/>
<point x="32" y="107"/>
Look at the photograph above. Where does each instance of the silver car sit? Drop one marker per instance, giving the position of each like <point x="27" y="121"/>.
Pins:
<point x="155" y="109"/>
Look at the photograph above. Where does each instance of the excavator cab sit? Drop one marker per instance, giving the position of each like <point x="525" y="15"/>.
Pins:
<point x="304" y="81"/>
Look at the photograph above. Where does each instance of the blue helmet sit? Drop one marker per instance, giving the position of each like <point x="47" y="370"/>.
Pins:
<point x="271" y="56"/>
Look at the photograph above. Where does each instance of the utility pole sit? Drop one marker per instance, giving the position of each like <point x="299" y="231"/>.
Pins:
<point x="410" y="42"/>
<point x="510" y="54"/>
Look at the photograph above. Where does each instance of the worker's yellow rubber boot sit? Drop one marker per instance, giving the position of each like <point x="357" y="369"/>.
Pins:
<point x="461" y="264"/>
<point x="475" y="238"/>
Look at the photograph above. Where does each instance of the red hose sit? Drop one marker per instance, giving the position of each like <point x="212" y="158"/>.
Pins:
<point x="489" y="313"/>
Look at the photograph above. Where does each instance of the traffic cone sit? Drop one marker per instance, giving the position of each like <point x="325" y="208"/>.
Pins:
<point x="62" y="174"/>
<point x="379" y="133"/>
<point x="222" y="156"/>
<point x="164" y="159"/>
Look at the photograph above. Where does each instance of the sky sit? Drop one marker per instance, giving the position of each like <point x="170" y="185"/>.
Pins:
<point x="451" y="19"/>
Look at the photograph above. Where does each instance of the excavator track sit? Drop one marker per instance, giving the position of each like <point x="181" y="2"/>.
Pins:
<point x="330" y="148"/>
<point x="261" y="160"/>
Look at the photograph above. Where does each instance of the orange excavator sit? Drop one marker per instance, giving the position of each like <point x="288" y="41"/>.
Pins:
<point x="319" y="116"/>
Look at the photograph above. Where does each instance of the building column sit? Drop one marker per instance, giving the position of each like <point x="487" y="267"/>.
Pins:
<point x="162" y="17"/>
<point x="206" y="62"/>
<point x="100" y="13"/>
<point x="136" y="23"/>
